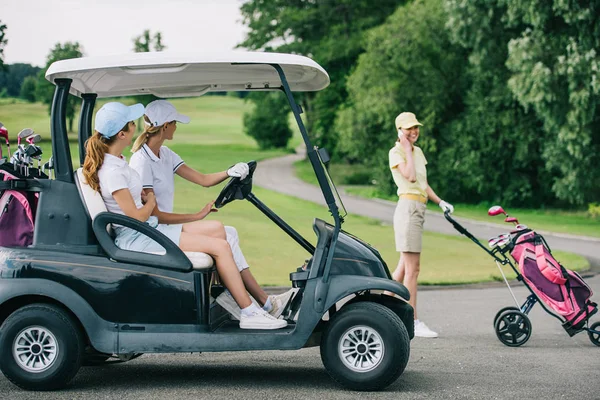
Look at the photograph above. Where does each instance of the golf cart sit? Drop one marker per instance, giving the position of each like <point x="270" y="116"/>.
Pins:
<point x="72" y="297"/>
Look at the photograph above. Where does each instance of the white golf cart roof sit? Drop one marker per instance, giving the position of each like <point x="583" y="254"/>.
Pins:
<point x="165" y="74"/>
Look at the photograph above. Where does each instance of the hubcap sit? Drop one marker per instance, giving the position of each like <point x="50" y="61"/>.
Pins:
<point x="361" y="348"/>
<point x="35" y="349"/>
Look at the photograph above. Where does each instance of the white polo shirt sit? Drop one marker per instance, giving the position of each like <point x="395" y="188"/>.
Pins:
<point x="158" y="173"/>
<point x="116" y="174"/>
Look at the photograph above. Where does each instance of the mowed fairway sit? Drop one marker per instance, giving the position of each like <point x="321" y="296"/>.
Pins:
<point x="214" y="140"/>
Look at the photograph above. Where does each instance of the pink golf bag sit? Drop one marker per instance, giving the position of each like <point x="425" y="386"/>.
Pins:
<point x="562" y="290"/>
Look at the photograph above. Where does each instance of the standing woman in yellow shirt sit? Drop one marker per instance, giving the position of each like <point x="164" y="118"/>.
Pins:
<point x="408" y="165"/>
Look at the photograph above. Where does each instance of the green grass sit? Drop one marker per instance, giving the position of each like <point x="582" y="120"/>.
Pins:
<point x="214" y="140"/>
<point x="552" y="220"/>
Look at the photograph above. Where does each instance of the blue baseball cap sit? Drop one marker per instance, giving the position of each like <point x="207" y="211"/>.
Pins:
<point x="112" y="117"/>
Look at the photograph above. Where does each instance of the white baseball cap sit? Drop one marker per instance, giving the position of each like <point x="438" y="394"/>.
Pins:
<point x="112" y="117"/>
<point x="161" y="111"/>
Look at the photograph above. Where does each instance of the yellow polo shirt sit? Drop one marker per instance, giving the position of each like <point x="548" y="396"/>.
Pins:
<point x="398" y="156"/>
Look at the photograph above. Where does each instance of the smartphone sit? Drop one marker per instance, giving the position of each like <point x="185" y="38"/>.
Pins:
<point x="400" y="133"/>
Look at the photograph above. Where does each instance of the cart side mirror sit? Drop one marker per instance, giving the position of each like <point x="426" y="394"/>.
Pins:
<point x="324" y="155"/>
<point x="495" y="210"/>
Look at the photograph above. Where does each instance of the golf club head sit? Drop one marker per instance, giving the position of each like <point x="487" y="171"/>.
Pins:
<point x="511" y="220"/>
<point x="520" y="227"/>
<point x="25" y="132"/>
<point x="1" y="124"/>
<point x="34" y="139"/>
<point x="496" y="210"/>
<point x="499" y="241"/>
<point x="4" y="133"/>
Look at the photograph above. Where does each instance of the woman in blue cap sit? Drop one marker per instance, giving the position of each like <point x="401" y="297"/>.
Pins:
<point x="107" y="172"/>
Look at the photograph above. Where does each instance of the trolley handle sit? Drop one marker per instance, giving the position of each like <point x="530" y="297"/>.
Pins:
<point x="461" y="229"/>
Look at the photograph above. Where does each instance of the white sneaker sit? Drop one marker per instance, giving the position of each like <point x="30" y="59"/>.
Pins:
<point x="260" y="319"/>
<point x="226" y="301"/>
<point x="279" y="302"/>
<point x="422" y="330"/>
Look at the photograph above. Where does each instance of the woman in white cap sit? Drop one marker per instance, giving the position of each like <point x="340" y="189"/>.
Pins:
<point x="157" y="166"/>
<point x="107" y="172"/>
<point x="408" y="165"/>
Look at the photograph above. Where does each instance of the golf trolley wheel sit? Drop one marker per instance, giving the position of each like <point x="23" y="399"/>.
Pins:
<point x="365" y="346"/>
<point x="595" y="337"/>
<point x="41" y="347"/>
<point x="504" y="309"/>
<point x="513" y="328"/>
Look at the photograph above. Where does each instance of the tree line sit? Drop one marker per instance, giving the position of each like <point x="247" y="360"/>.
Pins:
<point x="508" y="91"/>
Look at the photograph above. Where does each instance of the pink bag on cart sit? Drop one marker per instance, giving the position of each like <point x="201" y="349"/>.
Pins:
<point x="17" y="210"/>
<point x="563" y="291"/>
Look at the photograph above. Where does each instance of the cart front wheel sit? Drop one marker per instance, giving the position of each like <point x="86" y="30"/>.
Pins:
<point x="365" y="346"/>
<point x="595" y="337"/>
<point x="41" y="347"/>
<point x="513" y="328"/>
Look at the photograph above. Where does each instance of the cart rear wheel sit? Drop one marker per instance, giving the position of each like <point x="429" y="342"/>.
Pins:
<point x="513" y="328"/>
<point x="595" y="337"/>
<point x="41" y="347"/>
<point x="365" y="346"/>
<point x="504" y="309"/>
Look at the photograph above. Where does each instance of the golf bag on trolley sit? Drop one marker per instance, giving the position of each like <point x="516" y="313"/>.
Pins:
<point x="562" y="290"/>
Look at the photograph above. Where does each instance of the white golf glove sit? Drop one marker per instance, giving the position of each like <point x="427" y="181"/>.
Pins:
<point x="239" y="170"/>
<point x="445" y="206"/>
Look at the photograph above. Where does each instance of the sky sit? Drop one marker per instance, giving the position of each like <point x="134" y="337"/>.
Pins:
<point x="106" y="27"/>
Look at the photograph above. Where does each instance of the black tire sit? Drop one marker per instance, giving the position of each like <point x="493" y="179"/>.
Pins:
<point x="59" y="335"/>
<point x="513" y="328"/>
<point x="504" y="309"/>
<point x="594" y="337"/>
<point x="385" y="327"/>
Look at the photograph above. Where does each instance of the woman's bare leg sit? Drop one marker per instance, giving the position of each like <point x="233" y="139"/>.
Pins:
<point x="398" y="274"/>
<point x="412" y="265"/>
<point x="210" y="228"/>
<point x="253" y="287"/>
<point x="219" y="249"/>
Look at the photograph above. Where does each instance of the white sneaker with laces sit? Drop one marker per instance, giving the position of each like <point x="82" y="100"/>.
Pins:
<point x="422" y="330"/>
<point x="279" y="302"/>
<point x="226" y="301"/>
<point x="260" y="319"/>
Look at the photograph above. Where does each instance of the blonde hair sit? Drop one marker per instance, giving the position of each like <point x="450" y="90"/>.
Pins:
<point x="95" y="148"/>
<point x="149" y="130"/>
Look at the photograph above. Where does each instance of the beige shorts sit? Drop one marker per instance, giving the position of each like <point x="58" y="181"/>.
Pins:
<point x="408" y="225"/>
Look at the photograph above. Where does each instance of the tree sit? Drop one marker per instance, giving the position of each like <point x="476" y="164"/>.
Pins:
<point x="45" y="90"/>
<point x="555" y="66"/>
<point x="3" y="42"/>
<point x="331" y="32"/>
<point x="14" y="74"/>
<point x="147" y="42"/>
<point x="28" y="89"/>
<point x="268" y="124"/>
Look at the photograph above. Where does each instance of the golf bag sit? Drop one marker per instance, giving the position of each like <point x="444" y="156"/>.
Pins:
<point x="562" y="290"/>
<point x="18" y="204"/>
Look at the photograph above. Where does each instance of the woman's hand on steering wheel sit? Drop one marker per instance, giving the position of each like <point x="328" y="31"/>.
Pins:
<point x="208" y="208"/>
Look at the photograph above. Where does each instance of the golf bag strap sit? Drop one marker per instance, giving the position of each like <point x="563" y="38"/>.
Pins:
<point x="21" y="184"/>
<point x="542" y="263"/>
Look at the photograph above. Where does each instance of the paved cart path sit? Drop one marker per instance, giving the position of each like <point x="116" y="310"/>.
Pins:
<point x="277" y="174"/>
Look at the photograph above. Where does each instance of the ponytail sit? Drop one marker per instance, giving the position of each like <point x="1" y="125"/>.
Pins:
<point x="149" y="130"/>
<point x="95" y="148"/>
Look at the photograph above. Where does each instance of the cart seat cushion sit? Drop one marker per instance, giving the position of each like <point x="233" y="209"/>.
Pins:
<point x="92" y="200"/>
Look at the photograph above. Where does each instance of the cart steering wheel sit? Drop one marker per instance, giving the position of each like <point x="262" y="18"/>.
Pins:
<point x="236" y="188"/>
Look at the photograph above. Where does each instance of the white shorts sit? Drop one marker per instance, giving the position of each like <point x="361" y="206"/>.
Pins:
<point x="130" y="239"/>
<point x="408" y="225"/>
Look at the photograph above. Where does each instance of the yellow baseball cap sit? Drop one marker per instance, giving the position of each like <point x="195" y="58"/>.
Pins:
<point x="406" y="120"/>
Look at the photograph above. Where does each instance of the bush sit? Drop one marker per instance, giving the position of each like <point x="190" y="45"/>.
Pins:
<point x="268" y="122"/>
<point x="594" y="210"/>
